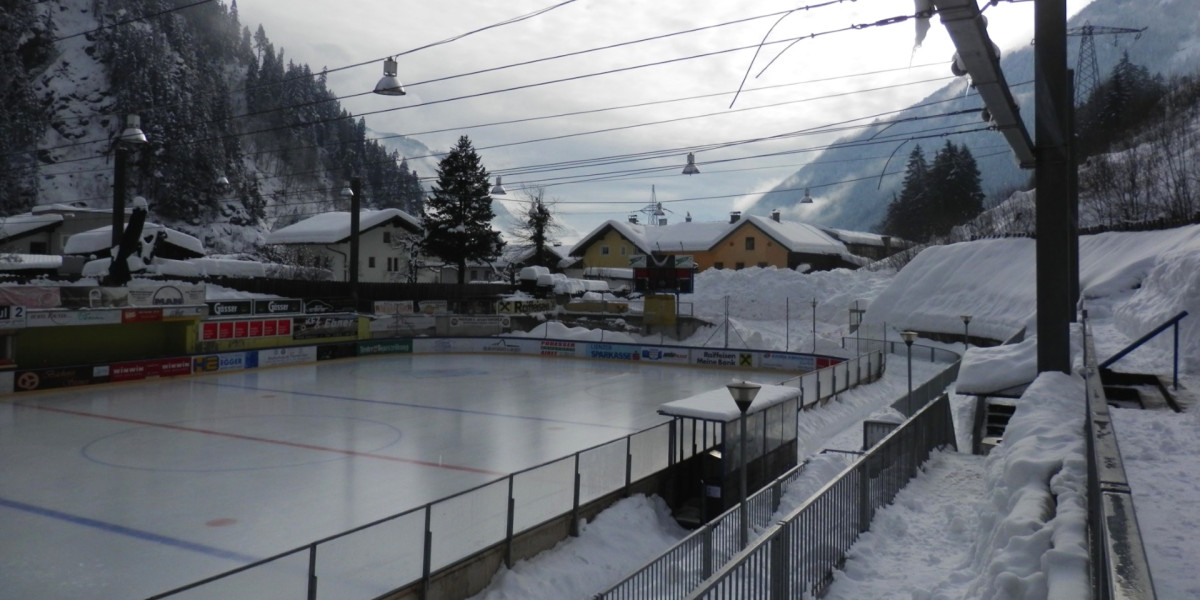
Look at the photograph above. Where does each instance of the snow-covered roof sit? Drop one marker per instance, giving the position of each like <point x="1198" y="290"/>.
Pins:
<point x="45" y="209"/>
<point x="99" y="240"/>
<point x="718" y="405"/>
<point x="693" y="236"/>
<point x="18" y="225"/>
<point x="796" y="236"/>
<point x="862" y="238"/>
<point x="28" y="262"/>
<point x="334" y="227"/>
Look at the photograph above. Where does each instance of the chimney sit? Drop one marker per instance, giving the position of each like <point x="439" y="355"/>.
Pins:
<point x="734" y="216"/>
<point x="688" y="219"/>
<point x="775" y="215"/>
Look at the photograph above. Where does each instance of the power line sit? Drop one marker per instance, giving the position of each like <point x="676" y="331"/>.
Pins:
<point x="132" y="20"/>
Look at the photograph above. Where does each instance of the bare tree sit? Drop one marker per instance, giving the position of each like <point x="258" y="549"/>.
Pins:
<point x="537" y="225"/>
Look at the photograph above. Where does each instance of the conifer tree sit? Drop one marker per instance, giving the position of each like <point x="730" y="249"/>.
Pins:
<point x="458" y="214"/>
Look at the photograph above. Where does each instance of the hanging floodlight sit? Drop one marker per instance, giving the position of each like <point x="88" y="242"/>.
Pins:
<point x="498" y="189"/>
<point x="807" y="199"/>
<point x="133" y="133"/>
<point x="690" y="168"/>
<point x="388" y="85"/>
<point x="346" y="191"/>
<point x="222" y="182"/>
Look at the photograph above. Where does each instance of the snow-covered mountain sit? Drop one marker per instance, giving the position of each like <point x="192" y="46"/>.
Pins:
<point x="1170" y="46"/>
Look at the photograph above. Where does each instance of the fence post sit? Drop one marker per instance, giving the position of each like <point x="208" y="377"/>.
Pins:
<point x="671" y="444"/>
<point x="864" y="495"/>
<point x="628" y="463"/>
<point x="427" y="560"/>
<point x="512" y="510"/>
<point x="781" y="575"/>
<point x="575" y="505"/>
<point x="312" y="572"/>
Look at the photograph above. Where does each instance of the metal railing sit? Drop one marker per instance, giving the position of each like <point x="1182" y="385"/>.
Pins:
<point x="1119" y="570"/>
<point x="679" y="570"/>
<point x="798" y="556"/>
<point x="408" y="548"/>
<point x="823" y="384"/>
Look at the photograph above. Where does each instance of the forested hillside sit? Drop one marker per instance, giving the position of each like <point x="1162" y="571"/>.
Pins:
<point x="240" y="137"/>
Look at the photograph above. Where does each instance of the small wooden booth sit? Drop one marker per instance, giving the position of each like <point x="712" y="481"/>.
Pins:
<point x="709" y="480"/>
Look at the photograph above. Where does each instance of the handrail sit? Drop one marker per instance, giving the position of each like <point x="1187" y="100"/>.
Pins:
<point x="1172" y="322"/>
<point x="1119" y="570"/>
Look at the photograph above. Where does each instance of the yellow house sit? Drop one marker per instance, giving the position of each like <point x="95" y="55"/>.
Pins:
<point x="742" y="242"/>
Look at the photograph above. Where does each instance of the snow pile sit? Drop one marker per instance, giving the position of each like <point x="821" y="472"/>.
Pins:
<point x="1172" y="286"/>
<point x="1033" y="543"/>
<point x="988" y="370"/>
<point x="558" y="331"/>
<point x="619" y="540"/>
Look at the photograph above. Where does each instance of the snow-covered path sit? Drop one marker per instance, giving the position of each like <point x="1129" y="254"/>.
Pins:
<point x="917" y="543"/>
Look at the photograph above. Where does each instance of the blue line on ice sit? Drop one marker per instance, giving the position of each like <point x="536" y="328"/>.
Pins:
<point x="127" y="531"/>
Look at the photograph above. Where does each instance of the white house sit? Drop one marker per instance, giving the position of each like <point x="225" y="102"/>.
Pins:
<point x="385" y="241"/>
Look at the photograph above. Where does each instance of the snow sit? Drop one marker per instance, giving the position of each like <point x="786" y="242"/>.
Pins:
<point x="1009" y="525"/>
<point x="99" y="240"/>
<point x="334" y="227"/>
<point x="716" y="405"/>
<point x="16" y="225"/>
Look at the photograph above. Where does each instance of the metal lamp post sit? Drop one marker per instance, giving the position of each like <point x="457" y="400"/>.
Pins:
<point x="132" y="136"/>
<point x="966" y="319"/>
<point x="353" y="193"/>
<point x="909" y="338"/>
<point x="743" y="393"/>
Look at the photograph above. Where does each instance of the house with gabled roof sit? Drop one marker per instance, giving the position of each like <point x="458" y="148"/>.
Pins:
<point x="386" y="241"/>
<point x="741" y="242"/>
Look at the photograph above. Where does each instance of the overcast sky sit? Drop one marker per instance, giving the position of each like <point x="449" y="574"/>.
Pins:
<point x="816" y="82"/>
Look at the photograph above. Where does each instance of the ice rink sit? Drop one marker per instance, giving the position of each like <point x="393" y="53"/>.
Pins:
<point x="128" y="490"/>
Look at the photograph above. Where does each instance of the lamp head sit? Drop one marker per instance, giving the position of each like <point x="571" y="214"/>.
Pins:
<point x="690" y="168"/>
<point x="346" y="192"/>
<point x="965" y="318"/>
<point x="909" y="337"/>
<point x="133" y="133"/>
<point x="743" y="393"/>
<point x="498" y="189"/>
<point x="389" y="85"/>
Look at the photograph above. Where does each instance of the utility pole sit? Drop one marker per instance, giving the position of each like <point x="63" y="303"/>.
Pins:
<point x="1053" y="179"/>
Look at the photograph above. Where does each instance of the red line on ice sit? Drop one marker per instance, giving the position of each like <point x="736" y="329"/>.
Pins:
<point x="250" y="438"/>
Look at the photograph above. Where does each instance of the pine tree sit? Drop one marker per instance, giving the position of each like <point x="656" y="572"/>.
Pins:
<point x="904" y="216"/>
<point x="458" y="214"/>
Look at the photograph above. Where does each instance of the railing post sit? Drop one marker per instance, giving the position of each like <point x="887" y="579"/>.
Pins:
<point x="781" y="575"/>
<point x="508" y="535"/>
<point x="864" y="495"/>
<point x="671" y="445"/>
<point x="575" y="504"/>
<point x="1175" y="370"/>
<point x="427" y="560"/>
<point x="312" y="572"/>
<point x="628" y="463"/>
<point x="708" y="551"/>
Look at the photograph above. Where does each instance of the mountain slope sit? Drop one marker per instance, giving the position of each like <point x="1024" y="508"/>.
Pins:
<point x="1170" y="46"/>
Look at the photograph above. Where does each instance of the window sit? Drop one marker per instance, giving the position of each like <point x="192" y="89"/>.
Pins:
<point x="603" y="250"/>
<point x="762" y="265"/>
<point x="370" y="262"/>
<point x="393" y="264"/>
<point x="387" y="237"/>
<point x="740" y="266"/>
<point x="39" y="248"/>
<point x="749" y="243"/>
<point x="623" y="250"/>
<point x="718" y="265"/>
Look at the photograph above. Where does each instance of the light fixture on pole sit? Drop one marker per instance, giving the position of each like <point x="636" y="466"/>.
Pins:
<point x="388" y="85"/>
<point x="498" y="189"/>
<point x="909" y="338"/>
<point x="690" y="168"/>
<point x="130" y="137"/>
<point x="743" y="393"/>
<point x="353" y="193"/>
<point x="966" y="319"/>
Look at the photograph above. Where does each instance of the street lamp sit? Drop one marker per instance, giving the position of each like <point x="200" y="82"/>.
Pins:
<point x="353" y="193"/>
<point x="690" y="168"/>
<point x="743" y="393"/>
<point x="132" y="136"/>
<point x="966" y="319"/>
<point x="388" y="85"/>
<point x="498" y="189"/>
<point x="909" y="338"/>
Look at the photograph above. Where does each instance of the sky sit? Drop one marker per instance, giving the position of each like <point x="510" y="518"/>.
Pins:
<point x="820" y="80"/>
<point x="968" y="526"/>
